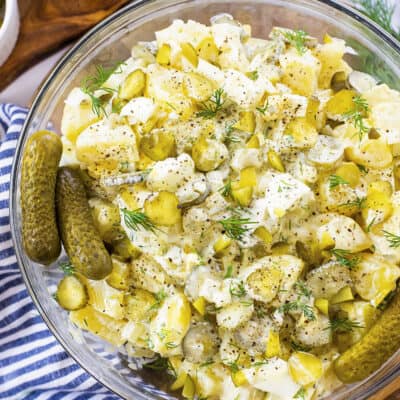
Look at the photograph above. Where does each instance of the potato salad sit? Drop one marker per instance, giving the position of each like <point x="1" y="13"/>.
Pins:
<point x="246" y="190"/>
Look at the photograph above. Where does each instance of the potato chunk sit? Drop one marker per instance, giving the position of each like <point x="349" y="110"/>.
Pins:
<point x="163" y="209"/>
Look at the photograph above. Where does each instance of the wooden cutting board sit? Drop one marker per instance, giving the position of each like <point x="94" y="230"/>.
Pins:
<point x="47" y="25"/>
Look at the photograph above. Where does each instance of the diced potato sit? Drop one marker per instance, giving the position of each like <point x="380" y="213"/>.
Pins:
<point x="322" y="305"/>
<point x="305" y="368"/>
<point x="371" y="153"/>
<point x="77" y="114"/>
<point x="162" y="209"/>
<point x="98" y="323"/>
<point x="138" y="305"/>
<point x="197" y="87"/>
<point x="300" y="72"/>
<point x="158" y="145"/>
<point x="273" y="348"/>
<point x="208" y="154"/>
<point x="304" y="133"/>
<point x="275" y="161"/>
<point x="133" y="85"/>
<point x="374" y="278"/>
<point x="148" y="274"/>
<point x="343" y="295"/>
<point x="106" y="219"/>
<point x="208" y="50"/>
<point x="120" y="274"/>
<point x="235" y="314"/>
<point x="326" y="280"/>
<point x="170" y="325"/>
<point x="71" y="293"/>
<point x="163" y="56"/>
<point x="189" y="52"/>
<point x="248" y="177"/>
<point x="247" y="122"/>
<point x="105" y="299"/>
<point x="340" y="103"/>
<point x="346" y="233"/>
<point x="330" y="56"/>
<point x="104" y="145"/>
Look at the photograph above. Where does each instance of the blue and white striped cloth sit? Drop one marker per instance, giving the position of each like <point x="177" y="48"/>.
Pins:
<point x="33" y="365"/>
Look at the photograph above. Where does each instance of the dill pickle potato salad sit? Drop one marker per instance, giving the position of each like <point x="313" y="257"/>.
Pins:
<point x="230" y="211"/>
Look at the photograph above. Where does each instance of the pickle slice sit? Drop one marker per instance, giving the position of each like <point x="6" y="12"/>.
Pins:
<point x="380" y="342"/>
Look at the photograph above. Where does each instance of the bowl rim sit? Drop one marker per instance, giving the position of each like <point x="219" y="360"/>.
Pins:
<point x="335" y="4"/>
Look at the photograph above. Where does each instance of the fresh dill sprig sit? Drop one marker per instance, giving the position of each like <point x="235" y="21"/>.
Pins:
<point x="356" y="115"/>
<point x="345" y="258"/>
<point x="300" y="394"/>
<point x="253" y="75"/>
<point x="298" y="305"/>
<point x="67" y="267"/>
<point x="236" y="226"/>
<point x="226" y="190"/>
<point x="206" y="363"/>
<point x="229" y="272"/>
<point x="297" y="39"/>
<point x="160" y="297"/>
<point x="343" y="325"/>
<point x="336" y="180"/>
<point x="393" y="239"/>
<point x="161" y="364"/>
<point x="359" y="203"/>
<point x="381" y="12"/>
<point x="302" y="289"/>
<point x="95" y="82"/>
<point x="262" y="110"/>
<point x="371" y="224"/>
<point x="298" y="347"/>
<point x="213" y="105"/>
<point x="136" y="219"/>
<point x="237" y="289"/>
<point x="233" y="366"/>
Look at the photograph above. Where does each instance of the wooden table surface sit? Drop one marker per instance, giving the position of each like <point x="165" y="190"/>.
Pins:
<point x="48" y="25"/>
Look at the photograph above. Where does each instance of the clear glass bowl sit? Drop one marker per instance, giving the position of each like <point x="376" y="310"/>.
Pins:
<point x="111" y="40"/>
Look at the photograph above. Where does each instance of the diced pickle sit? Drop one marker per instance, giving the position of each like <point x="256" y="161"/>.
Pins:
<point x="340" y="103"/>
<point x="247" y="122"/>
<point x="163" y="56"/>
<point x="189" y="52"/>
<point x="222" y="243"/>
<point x="305" y="368"/>
<point x="322" y="305"/>
<point x="253" y="143"/>
<point x="71" y="293"/>
<point x="273" y="348"/>
<point x="242" y="195"/>
<point x="208" y="50"/>
<point x="263" y="234"/>
<point x="343" y="295"/>
<point x="350" y="173"/>
<point x="158" y="145"/>
<point x="275" y="161"/>
<point x="120" y="274"/>
<point x="163" y="209"/>
<point x="133" y="85"/>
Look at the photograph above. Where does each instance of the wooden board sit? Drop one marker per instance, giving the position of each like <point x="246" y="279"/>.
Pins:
<point x="47" y="25"/>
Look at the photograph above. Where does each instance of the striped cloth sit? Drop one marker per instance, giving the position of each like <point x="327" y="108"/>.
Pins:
<point x="33" y="365"/>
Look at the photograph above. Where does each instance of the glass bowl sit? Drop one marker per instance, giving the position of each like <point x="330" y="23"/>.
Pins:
<point x="378" y="53"/>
